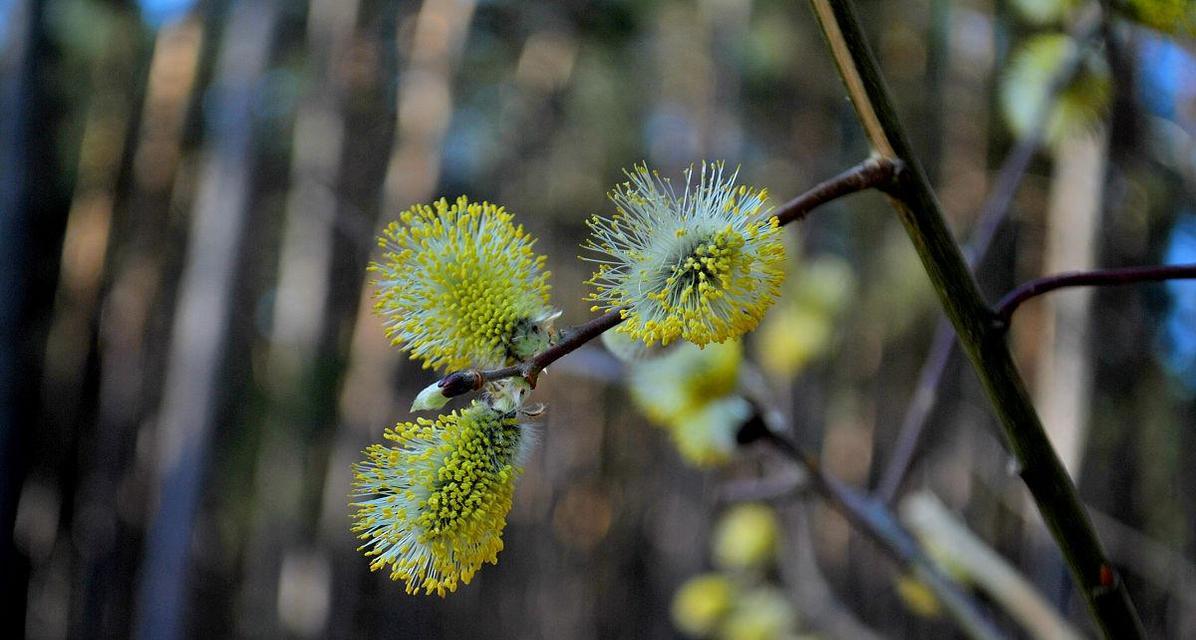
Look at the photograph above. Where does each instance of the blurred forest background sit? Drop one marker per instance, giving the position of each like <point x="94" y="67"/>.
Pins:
<point x="190" y="192"/>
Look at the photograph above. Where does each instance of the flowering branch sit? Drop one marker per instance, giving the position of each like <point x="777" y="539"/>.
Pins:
<point x="1098" y="278"/>
<point x="873" y="173"/>
<point x="873" y="517"/>
<point x="918" y="208"/>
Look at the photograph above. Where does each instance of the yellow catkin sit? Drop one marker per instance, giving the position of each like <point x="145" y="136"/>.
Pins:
<point x="437" y="501"/>
<point x="459" y="285"/>
<point x="693" y="393"/>
<point x="703" y="266"/>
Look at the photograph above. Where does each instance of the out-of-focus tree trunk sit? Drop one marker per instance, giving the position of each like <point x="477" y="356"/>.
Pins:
<point x="68" y="434"/>
<point x="33" y="206"/>
<point x="683" y="106"/>
<point x="201" y="324"/>
<point x="288" y="577"/>
<point x="16" y="83"/>
<point x="1064" y="386"/>
<point x="1062" y="369"/>
<point x="128" y="381"/>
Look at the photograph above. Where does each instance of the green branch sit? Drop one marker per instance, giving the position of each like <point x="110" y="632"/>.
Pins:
<point x="984" y="344"/>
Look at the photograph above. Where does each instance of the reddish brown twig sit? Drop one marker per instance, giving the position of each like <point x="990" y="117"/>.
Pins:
<point x="873" y="173"/>
<point x="1099" y="278"/>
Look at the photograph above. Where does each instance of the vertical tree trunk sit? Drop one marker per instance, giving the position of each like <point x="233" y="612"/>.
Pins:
<point x="285" y="574"/>
<point x="128" y="382"/>
<point x="32" y="210"/>
<point x="201" y="325"/>
<point x="1064" y="376"/>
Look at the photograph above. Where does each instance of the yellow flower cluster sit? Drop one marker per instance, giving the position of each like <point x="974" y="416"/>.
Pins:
<point x="702" y="266"/>
<point x="459" y="285"/>
<point x="692" y="393"/>
<point x="437" y="502"/>
<point x="738" y="602"/>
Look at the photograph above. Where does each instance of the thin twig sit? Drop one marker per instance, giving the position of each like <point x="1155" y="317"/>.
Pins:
<point x="918" y="208"/>
<point x="462" y="382"/>
<point x="917" y="413"/>
<point x="992" y="216"/>
<point x="1098" y="278"/>
<point x="873" y="173"/>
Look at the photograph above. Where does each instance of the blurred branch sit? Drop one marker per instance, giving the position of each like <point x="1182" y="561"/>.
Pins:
<point x="873" y="173"/>
<point x="920" y="213"/>
<point x="1099" y="278"/>
<point x="993" y="214"/>
<point x="941" y="532"/>
<point x="1156" y="563"/>
<point x="821" y="608"/>
<point x="879" y="524"/>
<point x="771" y="487"/>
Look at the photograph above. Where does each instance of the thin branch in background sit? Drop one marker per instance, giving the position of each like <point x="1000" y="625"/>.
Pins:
<point x="873" y="173"/>
<point x="821" y="609"/>
<point x="918" y="208"/>
<point x="879" y="524"/>
<point x="957" y="546"/>
<point x="1101" y="278"/>
<point x="917" y="412"/>
<point x="993" y="214"/>
<point x="774" y="486"/>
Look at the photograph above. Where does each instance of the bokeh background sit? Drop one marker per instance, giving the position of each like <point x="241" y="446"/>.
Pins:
<point x="189" y="195"/>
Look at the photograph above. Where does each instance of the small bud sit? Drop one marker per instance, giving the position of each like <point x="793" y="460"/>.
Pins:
<point x="431" y="398"/>
<point x="533" y="335"/>
<point x="460" y="382"/>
